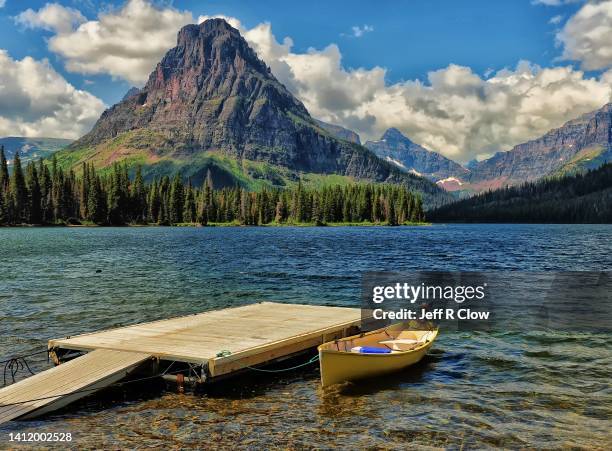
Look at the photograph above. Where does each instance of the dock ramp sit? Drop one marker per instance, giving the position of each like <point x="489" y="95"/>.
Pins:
<point x="59" y="386"/>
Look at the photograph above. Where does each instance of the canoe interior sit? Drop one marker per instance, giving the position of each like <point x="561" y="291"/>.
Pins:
<point x="395" y="337"/>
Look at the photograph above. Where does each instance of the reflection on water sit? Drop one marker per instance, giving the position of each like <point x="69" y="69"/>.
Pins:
<point x="475" y="389"/>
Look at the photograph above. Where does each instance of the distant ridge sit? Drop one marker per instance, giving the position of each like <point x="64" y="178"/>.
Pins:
<point x="580" y="144"/>
<point x="32" y="148"/>
<point x="409" y="156"/>
<point x="579" y="198"/>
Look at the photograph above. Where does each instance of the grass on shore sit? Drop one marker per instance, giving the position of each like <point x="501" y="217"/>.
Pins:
<point x="291" y="224"/>
<point x="236" y="224"/>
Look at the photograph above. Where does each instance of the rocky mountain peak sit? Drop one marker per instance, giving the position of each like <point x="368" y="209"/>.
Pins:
<point x="398" y="149"/>
<point x="213" y="60"/>
<point x="211" y="97"/>
<point x="211" y="42"/>
<point x="393" y="134"/>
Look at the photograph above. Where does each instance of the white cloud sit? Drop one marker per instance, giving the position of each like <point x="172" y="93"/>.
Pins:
<point x="37" y="101"/>
<point x="2" y="3"/>
<point x="358" y="31"/>
<point x="456" y="111"/>
<point x="606" y="77"/>
<point x="51" y="17"/>
<point x="556" y="20"/>
<point x="125" y="43"/>
<point x="587" y="36"/>
<point x="554" y="2"/>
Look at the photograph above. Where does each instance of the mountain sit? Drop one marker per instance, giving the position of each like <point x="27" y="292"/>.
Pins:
<point x="581" y="144"/>
<point x="32" y="148"/>
<point x="578" y="198"/>
<point x="339" y="132"/>
<point x="409" y="156"/>
<point x="212" y="104"/>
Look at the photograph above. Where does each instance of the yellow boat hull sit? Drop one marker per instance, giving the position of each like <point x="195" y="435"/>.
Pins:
<point x="340" y="365"/>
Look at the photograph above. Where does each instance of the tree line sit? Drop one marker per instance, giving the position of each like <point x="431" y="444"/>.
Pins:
<point x="43" y="193"/>
<point x="580" y="198"/>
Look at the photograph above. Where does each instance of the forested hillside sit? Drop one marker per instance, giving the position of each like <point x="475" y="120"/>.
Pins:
<point x="46" y="195"/>
<point x="584" y="198"/>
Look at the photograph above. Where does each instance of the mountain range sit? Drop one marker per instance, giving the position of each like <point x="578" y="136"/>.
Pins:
<point x="401" y="151"/>
<point x="212" y="105"/>
<point x="31" y="148"/>
<point x="579" y="145"/>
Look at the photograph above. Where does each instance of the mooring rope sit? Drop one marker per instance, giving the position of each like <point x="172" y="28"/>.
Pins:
<point x="16" y="364"/>
<point x="23" y="356"/>
<point x="312" y="360"/>
<point x="13" y="366"/>
<point x="226" y="353"/>
<point x="86" y="390"/>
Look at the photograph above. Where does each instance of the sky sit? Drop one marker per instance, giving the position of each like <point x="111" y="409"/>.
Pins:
<point x="464" y="78"/>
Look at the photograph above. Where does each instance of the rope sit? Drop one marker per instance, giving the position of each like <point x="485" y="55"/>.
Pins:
<point x="16" y="364"/>
<point x="13" y="366"/>
<point x="86" y="390"/>
<point x="23" y="356"/>
<point x="312" y="360"/>
<point x="225" y="353"/>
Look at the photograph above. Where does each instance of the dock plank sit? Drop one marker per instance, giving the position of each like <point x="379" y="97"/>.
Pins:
<point x="59" y="386"/>
<point x="246" y="331"/>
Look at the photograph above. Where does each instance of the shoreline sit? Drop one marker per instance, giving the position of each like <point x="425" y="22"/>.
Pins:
<point x="222" y="224"/>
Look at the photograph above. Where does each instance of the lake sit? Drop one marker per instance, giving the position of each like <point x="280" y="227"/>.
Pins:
<point x="476" y="389"/>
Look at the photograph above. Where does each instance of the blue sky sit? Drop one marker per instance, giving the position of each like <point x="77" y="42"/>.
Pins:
<point x="395" y="46"/>
<point x="410" y="37"/>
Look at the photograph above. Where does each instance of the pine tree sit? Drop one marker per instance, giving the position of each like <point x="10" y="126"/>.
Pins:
<point x="97" y="202"/>
<point x="164" y="189"/>
<point x="376" y="207"/>
<point x="177" y="200"/>
<point x="4" y="174"/>
<point x="189" y="207"/>
<point x="116" y="198"/>
<point x="154" y="202"/>
<point x="280" y="214"/>
<point x="4" y="218"/>
<point x="33" y="184"/>
<point x="204" y="210"/>
<point x="138" y="198"/>
<point x="316" y="210"/>
<point x="84" y="192"/>
<point x="19" y="192"/>
<point x="245" y="207"/>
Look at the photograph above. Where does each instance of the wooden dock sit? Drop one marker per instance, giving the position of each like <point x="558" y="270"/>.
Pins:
<point x="216" y="343"/>
<point x="66" y="383"/>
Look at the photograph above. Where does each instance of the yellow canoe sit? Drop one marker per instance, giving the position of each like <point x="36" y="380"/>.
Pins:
<point x="347" y="360"/>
